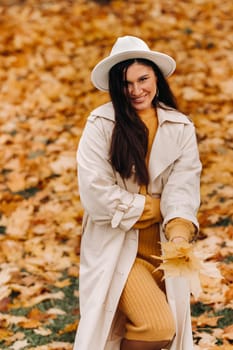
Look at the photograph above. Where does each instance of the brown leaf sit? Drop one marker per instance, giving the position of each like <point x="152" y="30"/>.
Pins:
<point x="228" y="332"/>
<point x="4" y="304"/>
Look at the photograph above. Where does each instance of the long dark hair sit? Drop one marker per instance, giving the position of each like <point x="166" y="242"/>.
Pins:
<point x="130" y="135"/>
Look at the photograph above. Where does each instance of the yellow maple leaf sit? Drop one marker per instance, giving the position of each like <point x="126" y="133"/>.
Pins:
<point x="228" y="332"/>
<point x="4" y="333"/>
<point x="69" y="327"/>
<point x="180" y="261"/>
<point x="29" y="324"/>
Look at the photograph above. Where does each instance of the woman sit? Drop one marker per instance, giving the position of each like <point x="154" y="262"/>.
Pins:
<point x="139" y="178"/>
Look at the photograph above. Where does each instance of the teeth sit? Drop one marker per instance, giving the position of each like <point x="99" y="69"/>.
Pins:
<point x="138" y="99"/>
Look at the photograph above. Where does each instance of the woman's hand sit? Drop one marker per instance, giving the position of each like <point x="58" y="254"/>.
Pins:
<point x="178" y="229"/>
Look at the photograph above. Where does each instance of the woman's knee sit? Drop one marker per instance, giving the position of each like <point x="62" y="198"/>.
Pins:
<point x="144" y="345"/>
<point x="151" y="331"/>
<point x="162" y="332"/>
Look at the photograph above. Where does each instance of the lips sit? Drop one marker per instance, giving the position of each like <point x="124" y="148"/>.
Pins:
<point x="138" y="99"/>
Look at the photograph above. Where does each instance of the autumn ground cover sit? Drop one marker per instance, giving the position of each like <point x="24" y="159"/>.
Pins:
<point x="47" y="49"/>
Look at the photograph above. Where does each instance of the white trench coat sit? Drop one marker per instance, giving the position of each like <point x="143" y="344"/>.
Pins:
<point x="112" y="206"/>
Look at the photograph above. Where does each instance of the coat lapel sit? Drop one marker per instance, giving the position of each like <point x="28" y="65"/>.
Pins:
<point x="165" y="148"/>
<point x="163" y="153"/>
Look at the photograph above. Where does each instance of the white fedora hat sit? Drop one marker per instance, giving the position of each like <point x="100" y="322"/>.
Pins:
<point x="125" y="48"/>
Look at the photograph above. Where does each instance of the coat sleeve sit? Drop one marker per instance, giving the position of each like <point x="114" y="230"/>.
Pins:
<point x="102" y="198"/>
<point x="181" y="193"/>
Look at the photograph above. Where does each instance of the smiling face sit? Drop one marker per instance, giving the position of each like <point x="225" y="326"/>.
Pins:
<point x="141" y="85"/>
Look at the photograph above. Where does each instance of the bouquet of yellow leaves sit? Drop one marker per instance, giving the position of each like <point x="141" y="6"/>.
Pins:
<point x="179" y="260"/>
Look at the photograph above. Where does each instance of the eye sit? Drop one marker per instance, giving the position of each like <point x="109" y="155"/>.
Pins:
<point x="143" y="78"/>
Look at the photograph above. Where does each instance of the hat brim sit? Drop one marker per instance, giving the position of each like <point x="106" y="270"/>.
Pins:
<point x="99" y="75"/>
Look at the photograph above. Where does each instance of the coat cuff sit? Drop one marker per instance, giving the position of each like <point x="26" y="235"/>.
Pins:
<point x="127" y="214"/>
<point x="120" y="212"/>
<point x="179" y="211"/>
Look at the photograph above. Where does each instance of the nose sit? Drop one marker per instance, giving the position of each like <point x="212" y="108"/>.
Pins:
<point x="135" y="89"/>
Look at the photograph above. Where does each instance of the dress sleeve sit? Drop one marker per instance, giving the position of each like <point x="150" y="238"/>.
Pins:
<point x="151" y="213"/>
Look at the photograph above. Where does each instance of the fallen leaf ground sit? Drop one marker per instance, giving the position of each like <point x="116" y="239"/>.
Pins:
<point x="47" y="49"/>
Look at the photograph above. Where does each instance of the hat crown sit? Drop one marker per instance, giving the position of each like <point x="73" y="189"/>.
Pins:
<point x="128" y="43"/>
<point x="125" y="48"/>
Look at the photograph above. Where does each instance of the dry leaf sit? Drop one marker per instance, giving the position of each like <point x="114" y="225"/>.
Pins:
<point x="179" y="260"/>
<point x="43" y="331"/>
<point x="228" y="332"/>
<point x="69" y="328"/>
<point x="19" y="344"/>
<point x="4" y="333"/>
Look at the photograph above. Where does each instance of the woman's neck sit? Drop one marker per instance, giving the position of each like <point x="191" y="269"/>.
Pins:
<point x="147" y="113"/>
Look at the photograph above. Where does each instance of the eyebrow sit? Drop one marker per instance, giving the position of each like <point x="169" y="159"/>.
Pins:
<point x="141" y="77"/>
